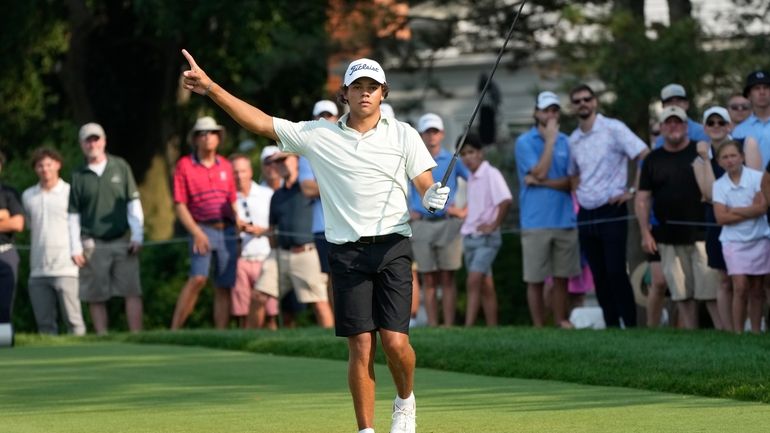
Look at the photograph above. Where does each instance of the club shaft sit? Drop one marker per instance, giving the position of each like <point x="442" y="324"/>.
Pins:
<point x="460" y="145"/>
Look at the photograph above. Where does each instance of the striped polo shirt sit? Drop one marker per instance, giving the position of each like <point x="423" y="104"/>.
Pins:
<point x="208" y="192"/>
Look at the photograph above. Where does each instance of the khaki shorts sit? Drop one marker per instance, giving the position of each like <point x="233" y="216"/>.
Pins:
<point x="109" y="270"/>
<point x="437" y="244"/>
<point x="300" y="271"/>
<point x="687" y="273"/>
<point x="550" y="253"/>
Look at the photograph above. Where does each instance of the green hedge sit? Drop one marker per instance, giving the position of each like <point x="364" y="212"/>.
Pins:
<point x="164" y="268"/>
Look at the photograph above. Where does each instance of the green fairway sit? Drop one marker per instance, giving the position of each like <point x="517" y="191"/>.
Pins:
<point x="114" y="387"/>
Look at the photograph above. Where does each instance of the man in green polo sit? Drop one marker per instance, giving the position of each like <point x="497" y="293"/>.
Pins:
<point x="106" y="230"/>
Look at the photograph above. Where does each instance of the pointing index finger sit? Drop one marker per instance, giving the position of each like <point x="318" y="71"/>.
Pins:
<point x="190" y="59"/>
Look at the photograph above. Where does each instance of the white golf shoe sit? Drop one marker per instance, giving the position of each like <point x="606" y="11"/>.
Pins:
<point x="403" y="419"/>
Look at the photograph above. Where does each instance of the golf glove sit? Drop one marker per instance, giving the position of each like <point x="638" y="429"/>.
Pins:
<point x="436" y="196"/>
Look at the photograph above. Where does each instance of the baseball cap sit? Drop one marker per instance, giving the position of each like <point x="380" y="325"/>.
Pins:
<point x="364" y="68"/>
<point x="428" y="121"/>
<point x="546" y="99"/>
<point x="719" y="111"/>
<point x="325" y="106"/>
<point x="672" y="111"/>
<point x="267" y="152"/>
<point x="387" y="111"/>
<point x="90" y="129"/>
<point x="672" y="90"/>
<point x="754" y="78"/>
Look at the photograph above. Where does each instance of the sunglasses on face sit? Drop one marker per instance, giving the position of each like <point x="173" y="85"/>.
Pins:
<point x="713" y="123"/>
<point x="204" y="133"/>
<point x="655" y="132"/>
<point x="584" y="99"/>
<point x="739" y="107"/>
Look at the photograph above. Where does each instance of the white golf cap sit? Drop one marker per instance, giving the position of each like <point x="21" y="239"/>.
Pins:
<point x="387" y="111"/>
<point x="428" y="121"/>
<point x="364" y="68"/>
<point x="672" y="90"/>
<point x="719" y="111"/>
<point x="325" y="106"/>
<point x="672" y="111"/>
<point x="546" y="99"/>
<point x="90" y="129"/>
<point x="267" y="152"/>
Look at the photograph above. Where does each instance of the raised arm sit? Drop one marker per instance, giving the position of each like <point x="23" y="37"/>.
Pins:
<point x="704" y="172"/>
<point x="549" y="132"/>
<point x="248" y="116"/>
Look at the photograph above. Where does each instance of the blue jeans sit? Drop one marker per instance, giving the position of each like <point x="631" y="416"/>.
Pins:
<point x="223" y="249"/>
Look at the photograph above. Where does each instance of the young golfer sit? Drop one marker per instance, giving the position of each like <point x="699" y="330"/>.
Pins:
<point x="363" y="163"/>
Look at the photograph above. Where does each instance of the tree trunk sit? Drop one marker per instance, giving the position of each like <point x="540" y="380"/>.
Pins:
<point x="679" y="10"/>
<point x="635" y="7"/>
<point x="74" y="65"/>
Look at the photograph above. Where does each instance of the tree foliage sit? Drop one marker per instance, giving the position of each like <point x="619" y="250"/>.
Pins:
<point x="118" y="62"/>
<point x="606" y="42"/>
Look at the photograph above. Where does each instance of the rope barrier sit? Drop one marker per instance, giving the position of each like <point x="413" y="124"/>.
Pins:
<point x="503" y="230"/>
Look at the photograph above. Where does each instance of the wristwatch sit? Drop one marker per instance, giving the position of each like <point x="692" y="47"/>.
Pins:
<point x="632" y="190"/>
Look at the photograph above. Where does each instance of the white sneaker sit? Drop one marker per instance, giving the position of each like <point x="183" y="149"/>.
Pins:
<point x="403" y="419"/>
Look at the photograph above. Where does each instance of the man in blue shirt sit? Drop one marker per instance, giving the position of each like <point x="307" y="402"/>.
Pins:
<point x="549" y="236"/>
<point x="674" y="95"/>
<point x="436" y="240"/>
<point x="757" y="125"/>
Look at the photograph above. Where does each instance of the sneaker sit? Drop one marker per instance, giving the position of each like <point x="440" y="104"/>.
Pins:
<point x="403" y="420"/>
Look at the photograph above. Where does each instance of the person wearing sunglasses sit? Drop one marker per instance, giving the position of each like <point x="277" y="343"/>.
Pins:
<point x="668" y="185"/>
<point x="205" y="203"/>
<point x="739" y="108"/>
<point x="718" y="125"/>
<point x="600" y="149"/>
<point x="674" y="95"/>
<point x="757" y="125"/>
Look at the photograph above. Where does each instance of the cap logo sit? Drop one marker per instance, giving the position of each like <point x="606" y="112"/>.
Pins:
<point x="760" y="74"/>
<point x="361" y="66"/>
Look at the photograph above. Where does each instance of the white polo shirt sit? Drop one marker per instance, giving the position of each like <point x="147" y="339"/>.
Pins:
<point x="363" y="178"/>
<point x="255" y="209"/>
<point x="47" y="216"/>
<point x="600" y="156"/>
<point x="742" y="194"/>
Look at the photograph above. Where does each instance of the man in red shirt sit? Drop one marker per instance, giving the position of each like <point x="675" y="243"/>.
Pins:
<point x="204" y="200"/>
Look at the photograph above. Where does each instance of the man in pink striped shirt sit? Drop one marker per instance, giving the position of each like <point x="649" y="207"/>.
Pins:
<point x="488" y="201"/>
<point x="204" y="200"/>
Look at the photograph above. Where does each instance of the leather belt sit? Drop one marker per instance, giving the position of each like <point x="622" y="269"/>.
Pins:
<point x="379" y="239"/>
<point x="300" y="248"/>
<point x="432" y="218"/>
<point x="219" y="225"/>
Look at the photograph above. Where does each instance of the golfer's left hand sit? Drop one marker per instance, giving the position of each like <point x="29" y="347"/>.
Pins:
<point x="195" y="79"/>
<point x="436" y="196"/>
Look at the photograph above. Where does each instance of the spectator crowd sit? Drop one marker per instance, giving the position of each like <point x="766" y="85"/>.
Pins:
<point x="698" y="190"/>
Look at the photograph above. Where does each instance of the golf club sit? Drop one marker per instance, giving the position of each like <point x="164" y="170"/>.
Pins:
<point x="481" y="98"/>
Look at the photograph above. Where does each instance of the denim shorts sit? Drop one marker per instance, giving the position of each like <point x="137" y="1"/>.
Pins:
<point x="479" y="251"/>
<point x="223" y="249"/>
